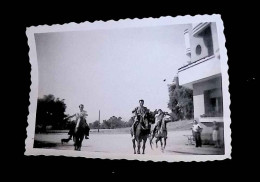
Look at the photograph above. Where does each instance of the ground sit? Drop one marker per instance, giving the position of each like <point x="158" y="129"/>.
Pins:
<point x="119" y="141"/>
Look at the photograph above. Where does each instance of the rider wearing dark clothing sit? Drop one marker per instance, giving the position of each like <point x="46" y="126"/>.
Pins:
<point x="140" y="112"/>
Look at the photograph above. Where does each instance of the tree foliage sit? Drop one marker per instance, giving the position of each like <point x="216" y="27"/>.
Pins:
<point x="50" y="112"/>
<point x="181" y="102"/>
<point x="94" y="125"/>
<point x="112" y="123"/>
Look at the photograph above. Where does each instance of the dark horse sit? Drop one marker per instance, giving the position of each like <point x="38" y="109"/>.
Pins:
<point x="142" y="131"/>
<point x="78" y="135"/>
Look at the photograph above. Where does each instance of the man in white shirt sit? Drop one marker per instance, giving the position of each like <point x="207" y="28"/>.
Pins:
<point x="196" y="130"/>
<point x="82" y="115"/>
<point x="158" y="120"/>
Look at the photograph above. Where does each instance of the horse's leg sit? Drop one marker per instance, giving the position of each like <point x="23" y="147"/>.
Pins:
<point x="161" y="144"/>
<point x="80" y="142"/>
<point x="77" y="143"/>
<point x="151" y="143"/>
<point x="134" y="145"/>
<point x="165" y="142"/>
<point x="156" y="141"/>
<point x="151" y="140"/>
<point x="138" y="146"/>
<point x="144" y="141"/>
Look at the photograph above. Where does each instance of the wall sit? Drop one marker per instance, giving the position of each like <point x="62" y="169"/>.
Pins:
<point x="198" y="104"/>
<point x="215" y="39"/>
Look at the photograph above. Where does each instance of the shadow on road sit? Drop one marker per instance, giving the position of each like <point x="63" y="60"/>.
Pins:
<point x="40" y="144"/>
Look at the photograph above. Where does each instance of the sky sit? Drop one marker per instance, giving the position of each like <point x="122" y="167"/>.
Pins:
<point x="110" y="70"/>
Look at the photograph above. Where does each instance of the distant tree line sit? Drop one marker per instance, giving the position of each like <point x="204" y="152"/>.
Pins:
<point x="112" y="123"/>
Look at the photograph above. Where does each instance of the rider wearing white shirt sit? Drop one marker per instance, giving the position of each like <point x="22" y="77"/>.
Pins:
<point x="82" y="115"/>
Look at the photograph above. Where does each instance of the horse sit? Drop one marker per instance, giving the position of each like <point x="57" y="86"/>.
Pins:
<point x="161" y="134"/>
<point x="78" y="135"/>
<point x="141" y="135"/>
<point x="142" y="131"/>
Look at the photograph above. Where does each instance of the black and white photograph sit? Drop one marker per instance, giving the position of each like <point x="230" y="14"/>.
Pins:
<point x="142" y="89"/>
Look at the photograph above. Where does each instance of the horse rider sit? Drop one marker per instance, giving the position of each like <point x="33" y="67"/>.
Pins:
<point x="79" y="116"/>
<point x="140" y="113"/>
<point x="161" y="119"/>
<point x="166" y="119"/>
<point x="158" y="120"/>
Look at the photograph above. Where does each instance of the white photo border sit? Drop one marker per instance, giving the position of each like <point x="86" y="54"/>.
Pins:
<point x="127" y="23"/>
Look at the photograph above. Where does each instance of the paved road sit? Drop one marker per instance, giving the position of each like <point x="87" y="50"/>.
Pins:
<point x="121" y="143"/>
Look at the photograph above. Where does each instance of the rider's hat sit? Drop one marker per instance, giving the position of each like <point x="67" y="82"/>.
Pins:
<point x="141" y="100"/>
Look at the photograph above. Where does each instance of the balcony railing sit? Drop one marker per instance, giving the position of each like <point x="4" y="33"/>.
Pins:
<point x="195" y="63"/>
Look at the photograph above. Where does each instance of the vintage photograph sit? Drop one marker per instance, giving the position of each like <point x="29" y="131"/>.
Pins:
<point x="142" y="89"/>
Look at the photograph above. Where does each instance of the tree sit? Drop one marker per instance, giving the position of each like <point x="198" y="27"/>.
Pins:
<point x="181" y="102"/>
<point x="113" y="122"/>
<point x="130" y="122"/>
<point x="51" y="111"/>
<point x="94" y="125"/>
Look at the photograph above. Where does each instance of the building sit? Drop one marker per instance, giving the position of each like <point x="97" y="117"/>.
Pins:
<point x="202" y="74"/>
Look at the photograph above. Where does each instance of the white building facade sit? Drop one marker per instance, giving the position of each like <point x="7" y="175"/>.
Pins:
<point x="203" y="75"/>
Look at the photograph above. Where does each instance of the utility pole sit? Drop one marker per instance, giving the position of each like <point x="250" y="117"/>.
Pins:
<point x="98" y="120"/>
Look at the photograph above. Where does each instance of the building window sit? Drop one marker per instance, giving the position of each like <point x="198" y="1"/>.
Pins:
<point x="213" y="103"/>
<point x="198" y="50"/>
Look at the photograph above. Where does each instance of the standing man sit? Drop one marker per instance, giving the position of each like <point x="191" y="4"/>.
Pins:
<point x="140" y="113"/>
<point x="196" y="129"/>
<point x="82" y="115"/>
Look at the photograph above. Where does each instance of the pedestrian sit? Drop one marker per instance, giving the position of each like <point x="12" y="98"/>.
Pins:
<point x="215" y="134"/>
<point x="197" y="129"/>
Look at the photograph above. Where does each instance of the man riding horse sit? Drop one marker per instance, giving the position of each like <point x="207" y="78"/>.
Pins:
<point x="79" y="116"/>
<point x="158" y="120"/>
<point x="159" y="129"/>
<point x="140" y="113"/>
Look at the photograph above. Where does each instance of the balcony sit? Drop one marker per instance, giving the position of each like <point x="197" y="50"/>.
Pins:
<point x="200" y="70"/>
